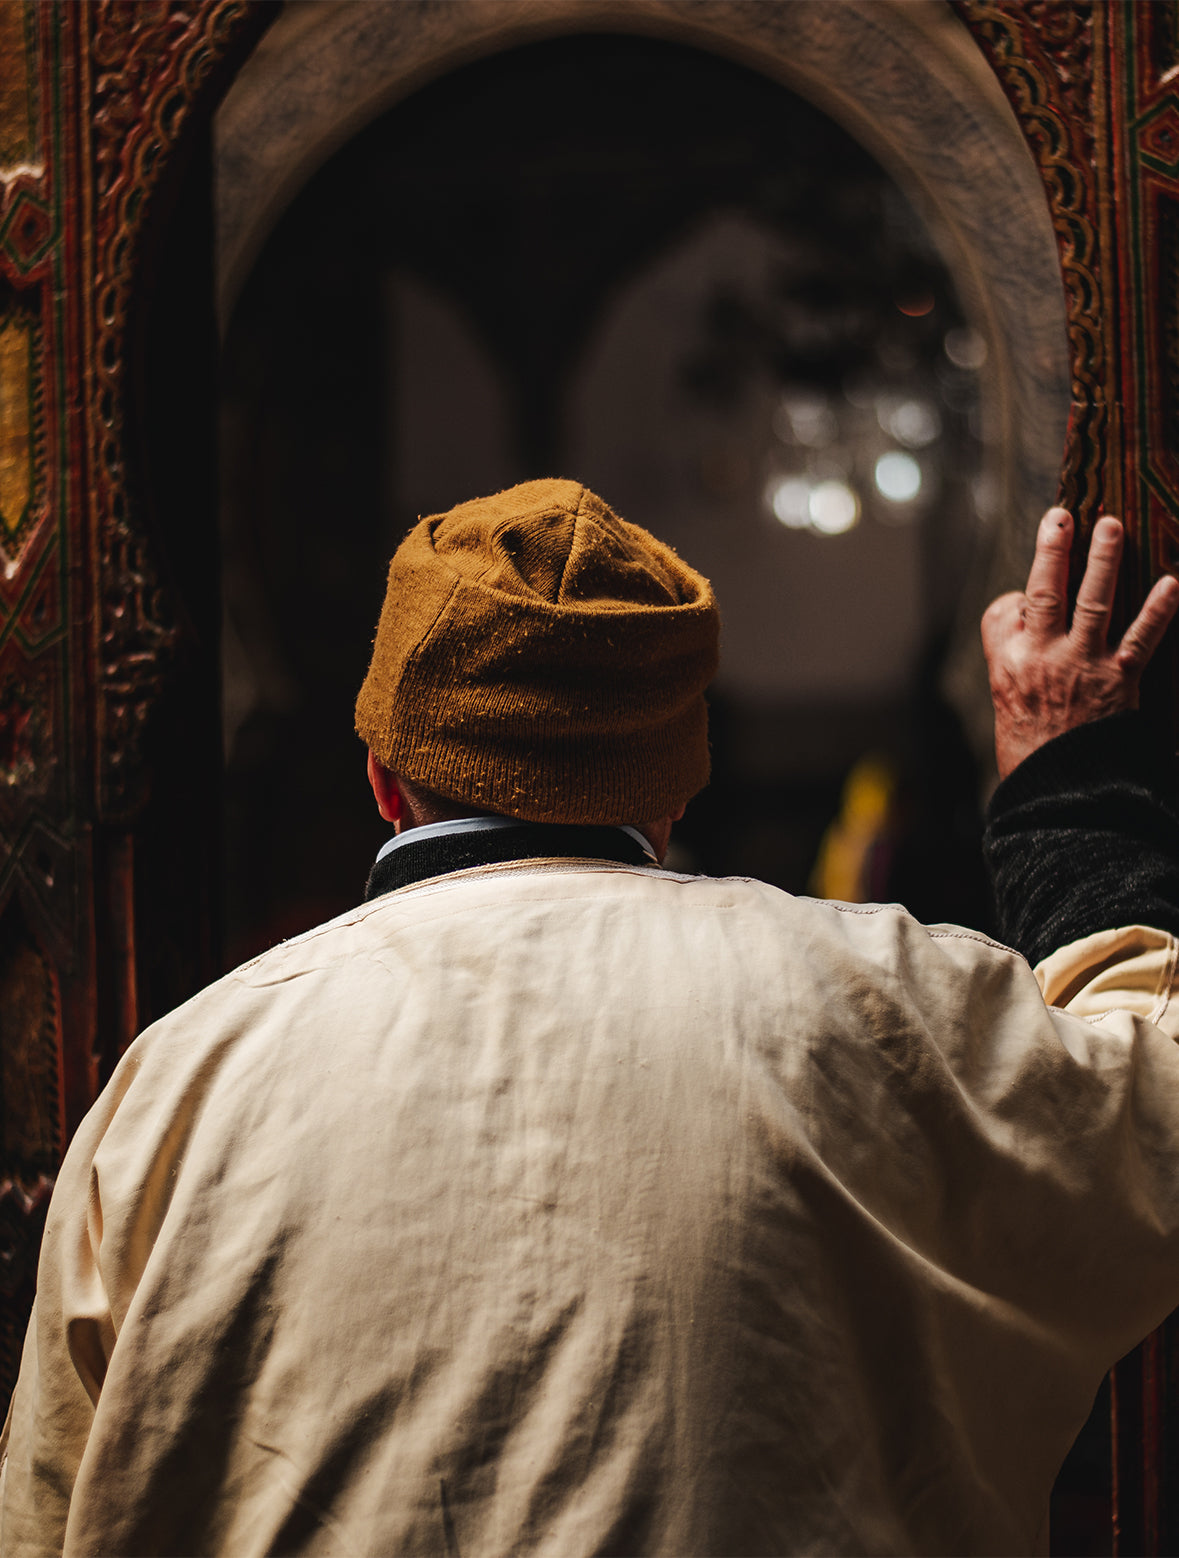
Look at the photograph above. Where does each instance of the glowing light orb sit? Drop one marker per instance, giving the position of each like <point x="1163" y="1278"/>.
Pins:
<point x="965" y="349"/>
<point x="790" y="500"/>
<point x="833" y="508"/>
<point x="898" y="477"/>
<point x="914" y="423"/>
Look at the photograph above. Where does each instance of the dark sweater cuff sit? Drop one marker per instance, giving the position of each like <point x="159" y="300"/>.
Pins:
<point x="1084" y="836"/>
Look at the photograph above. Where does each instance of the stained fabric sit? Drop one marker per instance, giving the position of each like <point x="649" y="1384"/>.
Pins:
<point x="570" y="1209"/>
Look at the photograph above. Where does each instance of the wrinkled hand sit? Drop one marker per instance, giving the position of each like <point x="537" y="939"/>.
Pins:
<point x="1047" y="677"/>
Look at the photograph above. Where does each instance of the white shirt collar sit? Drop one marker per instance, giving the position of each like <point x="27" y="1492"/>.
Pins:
<point x="429" y="830"/>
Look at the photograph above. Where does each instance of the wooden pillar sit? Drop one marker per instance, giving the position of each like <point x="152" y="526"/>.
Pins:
<point x="1096" y="89"/>
<point x="102" y="107"/>
<point x="47" y="966"/>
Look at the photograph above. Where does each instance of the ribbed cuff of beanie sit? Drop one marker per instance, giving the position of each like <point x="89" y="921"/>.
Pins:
<point x="1084" y="836"/>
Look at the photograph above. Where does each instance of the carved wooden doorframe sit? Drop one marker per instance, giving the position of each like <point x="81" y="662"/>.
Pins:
<point x="97" y="102"/>
<point x="1096" y="90"/>
<point x="100" y="105"/>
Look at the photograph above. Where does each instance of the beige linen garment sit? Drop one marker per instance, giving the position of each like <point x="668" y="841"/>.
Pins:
<point x="576" y="1209"/>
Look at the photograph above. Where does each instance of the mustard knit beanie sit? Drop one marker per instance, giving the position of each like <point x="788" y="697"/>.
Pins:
<point x="540" y="658"/>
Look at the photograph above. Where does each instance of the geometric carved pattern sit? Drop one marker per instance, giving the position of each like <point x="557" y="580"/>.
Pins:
<point x="27" y="232"/>
<point x="1160" y="141"/>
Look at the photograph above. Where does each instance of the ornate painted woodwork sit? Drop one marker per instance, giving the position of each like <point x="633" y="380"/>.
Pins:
<point x="1042" y="52"/>
<point x="1095" y="85"/>
<point x="95" y="103"/>
<point x="103" y="634"/>
<point x="46" y="970"/>
<point x="1096" y="89"/>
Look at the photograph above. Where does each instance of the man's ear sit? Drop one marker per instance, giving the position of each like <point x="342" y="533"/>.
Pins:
<point x="385" y="789"/>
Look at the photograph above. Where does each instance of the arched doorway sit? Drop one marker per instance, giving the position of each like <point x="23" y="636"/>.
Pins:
<point x="905" y="79"/>
<point x="702" y="296"/>
<point x="397" y="346"/>
<point x="92" y="621"/>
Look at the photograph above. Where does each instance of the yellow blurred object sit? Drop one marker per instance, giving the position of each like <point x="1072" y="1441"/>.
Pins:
<point x="842" y="866"/>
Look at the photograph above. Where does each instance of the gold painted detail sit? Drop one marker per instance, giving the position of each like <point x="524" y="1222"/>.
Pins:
<point x="17" y="387"/>
<point x="18" y="85"/>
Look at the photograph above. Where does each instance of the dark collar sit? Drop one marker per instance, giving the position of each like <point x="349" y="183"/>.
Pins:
<point x="413" y="862"/>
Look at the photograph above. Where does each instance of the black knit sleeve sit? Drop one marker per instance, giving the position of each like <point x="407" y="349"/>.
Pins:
<point x="1084" y="836"/>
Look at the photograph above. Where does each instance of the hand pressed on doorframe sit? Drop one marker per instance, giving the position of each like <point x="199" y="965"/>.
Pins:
<point x="1047" y="675"/>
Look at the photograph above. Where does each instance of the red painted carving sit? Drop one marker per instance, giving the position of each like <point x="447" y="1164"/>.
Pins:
<point x="84" y="628"/>
<point x="27" y="231"/>
<point x="1105" y="129"/>
<point x="1160" y="139"/>
<point x="150" y="61"/>
<point x="1042" y="52"/>
<point x="1144" y="133"/>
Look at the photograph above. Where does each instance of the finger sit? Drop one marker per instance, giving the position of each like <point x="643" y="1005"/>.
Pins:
<point x="1002" y="621"/>
<point x="1047" y="587"/>
<point x="1145" y="633"/>
<point x="1095" y="597"/>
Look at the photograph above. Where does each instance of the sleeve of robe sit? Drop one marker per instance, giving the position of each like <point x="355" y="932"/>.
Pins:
<point x="71" y="1332"/>
<point x="1082" y="844"/>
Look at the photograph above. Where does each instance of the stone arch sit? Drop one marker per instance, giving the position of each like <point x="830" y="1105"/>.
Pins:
<point x="905" y="78"/>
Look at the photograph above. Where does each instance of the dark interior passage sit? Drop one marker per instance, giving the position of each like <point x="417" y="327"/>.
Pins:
<point x="466" y="295"/>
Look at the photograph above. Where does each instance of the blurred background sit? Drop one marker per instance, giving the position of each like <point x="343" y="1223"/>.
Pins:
<point x="778" y="281"/>
<point x="658" y="271"/>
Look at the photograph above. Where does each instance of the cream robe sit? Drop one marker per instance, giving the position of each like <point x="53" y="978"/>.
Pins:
<point x="578" y="1209"/>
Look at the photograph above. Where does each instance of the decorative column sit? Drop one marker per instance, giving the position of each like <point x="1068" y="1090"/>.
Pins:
<point x="47" y="975"/>
<point x="1140" y="47"/>
<point x="1095" y="85"/>
<point x="96" y="101"/>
